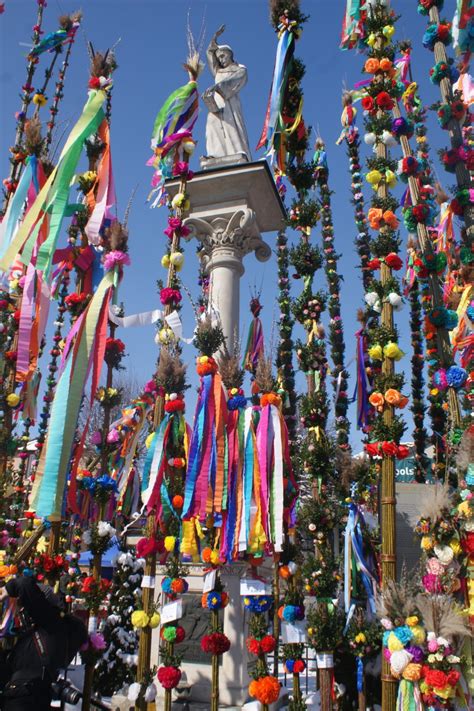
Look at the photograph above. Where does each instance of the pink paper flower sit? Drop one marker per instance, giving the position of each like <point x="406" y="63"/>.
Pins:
<point x="114" y="258"/>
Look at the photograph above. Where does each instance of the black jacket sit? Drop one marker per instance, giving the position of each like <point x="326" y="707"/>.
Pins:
<point x="61" y="634"/>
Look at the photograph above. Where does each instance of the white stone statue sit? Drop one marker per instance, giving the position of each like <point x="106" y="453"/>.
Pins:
<point x="226" y="134"/>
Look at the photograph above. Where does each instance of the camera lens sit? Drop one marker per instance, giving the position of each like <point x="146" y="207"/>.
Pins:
<point x="71" y="695"/>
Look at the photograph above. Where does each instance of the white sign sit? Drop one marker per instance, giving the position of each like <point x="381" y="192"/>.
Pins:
<point x="293" y="633"/>
<point x="172" y="611"/>
<point x="249" y="586"/>
<point x="148" y="581"/>
<point x="209" y="581"/>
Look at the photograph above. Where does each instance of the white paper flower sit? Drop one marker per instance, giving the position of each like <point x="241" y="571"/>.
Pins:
<point x="105" y="529"/>
<point x="133" y="691"/>
<point x="388" y="139"/>
<point x="292" y="567"/>
<point x="371" y="298"/>
<point x="469" y="525"/>
<point x="396" y="301"/>
<point x="399" y="660"/>
<point x="370" y="138"/>
<point x="442" y="641"/>
<point x="150" y="693"/>
<point x="377" y="306"/>
<point x="444" y="554"/>
<point x="452" y="659"/>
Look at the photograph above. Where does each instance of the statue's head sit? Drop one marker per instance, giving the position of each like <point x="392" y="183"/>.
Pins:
<point x="224" y="55"/>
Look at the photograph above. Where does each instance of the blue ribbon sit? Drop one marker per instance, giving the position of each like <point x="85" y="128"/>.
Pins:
<point x="195" y="450"/>
<point x="360" y="674"/>
<point x="17" y="203"/>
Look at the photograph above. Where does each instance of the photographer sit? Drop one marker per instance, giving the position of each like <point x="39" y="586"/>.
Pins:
<point x="48" y="640"/>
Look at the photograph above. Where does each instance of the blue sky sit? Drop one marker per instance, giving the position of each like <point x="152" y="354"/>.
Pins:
<point x="150" y="53"/>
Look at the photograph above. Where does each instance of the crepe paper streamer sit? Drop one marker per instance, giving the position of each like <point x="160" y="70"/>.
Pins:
<point x="207" y="467"/>
<point x="13" y="215"/>
<point x="466" y="86"/>
<point x="173" y="124"/>
<point x="32" y="325"/>
<point x="463" y="29"/>
<point x="129" y="426"/>
<point x="353" y="26"/>
<point x="362" y="385"/>
<point x="53" y="40"/>
<point x="356" y="561"/>
<point x="53" y="196"/>
<point x="50" y="482"/>
<point x="281" y="72"/>
<point x="274" y="464"/>
<point x="254" y="350"/>
<point x="29" y="397"/>
<point x="101" y="198"/>
<point x="462" y="337"/>
<point x="409" y="696"/>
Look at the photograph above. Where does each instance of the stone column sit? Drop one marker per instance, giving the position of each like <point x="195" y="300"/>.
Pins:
<point x="226" y="240"/>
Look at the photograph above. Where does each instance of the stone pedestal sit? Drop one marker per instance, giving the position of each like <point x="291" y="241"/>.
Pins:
<point x="231" y="207"/>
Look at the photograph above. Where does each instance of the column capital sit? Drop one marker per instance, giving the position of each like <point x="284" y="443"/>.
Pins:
<point x="226" y="240"/>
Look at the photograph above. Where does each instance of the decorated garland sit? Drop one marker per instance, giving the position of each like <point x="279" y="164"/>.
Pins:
<point x="336" y="332"/>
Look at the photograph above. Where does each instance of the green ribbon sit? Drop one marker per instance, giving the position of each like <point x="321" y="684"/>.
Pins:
<point x="53" y="197"/>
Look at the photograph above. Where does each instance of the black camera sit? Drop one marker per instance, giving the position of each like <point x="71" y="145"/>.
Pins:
<point x="64" y="691"/>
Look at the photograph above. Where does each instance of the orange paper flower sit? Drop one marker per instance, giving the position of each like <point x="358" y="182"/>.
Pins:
<point x="393" y="397"/>
<point x="390" y="219"/>
<point x="372" y="65"/>
<point x="270" y="399"/>
<point x="385" y="64"/>
<point x="376" y="400"/>
<point x="412" y="672"/>
<point x="375" y="216"/>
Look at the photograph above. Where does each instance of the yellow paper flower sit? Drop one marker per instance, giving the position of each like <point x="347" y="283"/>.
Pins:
<point x="393" y="643"/>
<point x="165" y="261"/>
<point x="388" y="31"/>
<point x="39" y="99"/>
<point x="390" y="178"/>
<point x="166" y="335"/>
<point x="412" y="621"/>
<point x="464" y="509"/>
<point x="371" y="40"/>
<point x="374" y="177"/>
<point x="375" y="352"/>
<point x="170" y="542"/>
<point x="418" y="634"/>
<point x="392" y="350"/>
<point x="177" y="260"/>
<point x="215" y="557"/>
<point x="178" y="200"/>
<point x="139" y="618"/>
<point x="360" y="638"/>
<point x="427" y="543"/>
<point x="154" y="620"/>
<point x="455" y="546"/>
<point x="13" y="399"/>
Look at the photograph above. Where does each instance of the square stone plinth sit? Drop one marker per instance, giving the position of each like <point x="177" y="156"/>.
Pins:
<point x="219" y="192"/>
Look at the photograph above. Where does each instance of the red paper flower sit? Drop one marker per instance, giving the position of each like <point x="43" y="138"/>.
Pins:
<point x="170" y="296"/>
<point x="253" y="645"/>
<point x="467" y="543"/>
<point x="436" y="678"/>
<point x="402" y="451"/>
<point x="146" y="546"/>
<point x="169" y="677"/>
<point x="174" y="405"/>
<point x="180" y="635"/>
<point x="215" y="643"/>
<point x="94" y="83"/>
<point x="384" y="101"/>
<point x="453" y="677"/>
<point x="374" y="263"/>
<point x="368" y="103"/>
<point x="268" y="644"/>
<point x="114" y="345"/>
<point x="373" y="449"/>
<point x="299" y="666"/>
<point x="393" y="261"/>
<point x="389" y="448"/>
